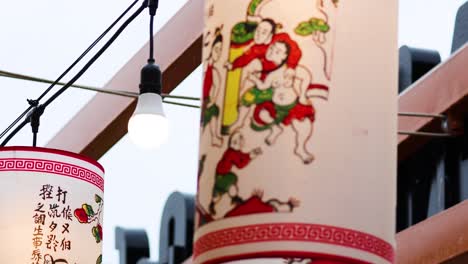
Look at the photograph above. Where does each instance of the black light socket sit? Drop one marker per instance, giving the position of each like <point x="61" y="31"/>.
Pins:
<point x="151" y="78"/>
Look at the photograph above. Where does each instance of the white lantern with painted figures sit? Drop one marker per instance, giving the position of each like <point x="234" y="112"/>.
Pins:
<point x="51" y="205"/>
<point x="298" y="138"/>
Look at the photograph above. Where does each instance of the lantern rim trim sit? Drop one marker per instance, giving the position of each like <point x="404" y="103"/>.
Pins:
<point x="55" y="151"/>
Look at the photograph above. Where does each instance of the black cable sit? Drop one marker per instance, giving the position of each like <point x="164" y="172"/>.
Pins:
<point x="15" y="122"/>
<point x="88" y="49"/>
<point x="32" y="104"/>
<point x="34" y="139"/>
<point x="95" y="57"/>
<point x="14" y="132"/>
<point x="69" y="68"/>
<point x="81" y="72"/>
<point x="151" y="56"/>
<point x="153" y="7"/>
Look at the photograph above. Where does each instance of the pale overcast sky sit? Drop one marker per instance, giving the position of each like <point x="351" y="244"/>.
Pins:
<point x="42" y="38"/>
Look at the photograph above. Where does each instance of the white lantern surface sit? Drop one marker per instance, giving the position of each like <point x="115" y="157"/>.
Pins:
<point x="298" y="138"/>
<point x="51" y="205"/>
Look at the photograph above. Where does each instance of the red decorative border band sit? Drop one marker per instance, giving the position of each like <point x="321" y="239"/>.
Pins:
<point x="55" y="167"/>
<point x="315" y="257"/>
<point x="54" y="151"/>
<point x="297" y="232"/>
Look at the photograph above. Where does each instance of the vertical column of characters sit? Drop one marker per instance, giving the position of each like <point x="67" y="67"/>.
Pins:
<point x="52" y="219"/>
<point x="53" y="225"/>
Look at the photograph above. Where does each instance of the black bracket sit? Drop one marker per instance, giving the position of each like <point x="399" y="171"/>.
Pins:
<point x="34" y="118"/>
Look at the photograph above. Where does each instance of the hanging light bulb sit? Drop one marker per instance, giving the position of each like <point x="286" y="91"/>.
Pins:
<point x="148" y="127"/>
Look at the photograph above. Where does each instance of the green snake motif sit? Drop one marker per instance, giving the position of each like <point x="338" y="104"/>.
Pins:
<point x="312" y="26"/>
<point x="253" y="7"/>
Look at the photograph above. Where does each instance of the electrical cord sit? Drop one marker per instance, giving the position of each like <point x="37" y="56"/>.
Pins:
<point x="153" y="7"/>
<point x="89" y="48"/>
<point x="14" y="132"/>
<point x="15" y="122"/>
<point x="68" y="69"/>
<point x="81" y="72"/>
<point x="151" y="56"/>
<point x="124" y="93"/>
<point x="95" y="57"/>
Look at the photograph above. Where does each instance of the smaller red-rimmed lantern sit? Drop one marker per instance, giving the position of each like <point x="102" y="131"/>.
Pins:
<point x="51" y="205"/>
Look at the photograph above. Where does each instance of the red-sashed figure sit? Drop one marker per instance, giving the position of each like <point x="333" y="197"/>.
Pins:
<point x="289" y="105"/>
<point x="225" y="178"/>
<point x="265" y="35"/>
<point x="255" y="60"/>
<point x="211" y="89"/>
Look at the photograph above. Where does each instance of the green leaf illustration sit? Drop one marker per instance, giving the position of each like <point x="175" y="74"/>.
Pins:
<point x="96" y="234"/>
<point x="312" y="26"/>
<point x="99" y="260"/>
<point x="97" y="198"/>
<point x="88" y="209"/>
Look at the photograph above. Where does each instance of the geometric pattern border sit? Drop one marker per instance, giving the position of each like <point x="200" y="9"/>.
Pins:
<point x="54" y="167"/>
<point x="298" y="232"/>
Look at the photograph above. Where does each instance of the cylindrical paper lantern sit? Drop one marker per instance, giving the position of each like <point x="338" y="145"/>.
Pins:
<point x="51" y="207"/>
<point x="298" y="132"/>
